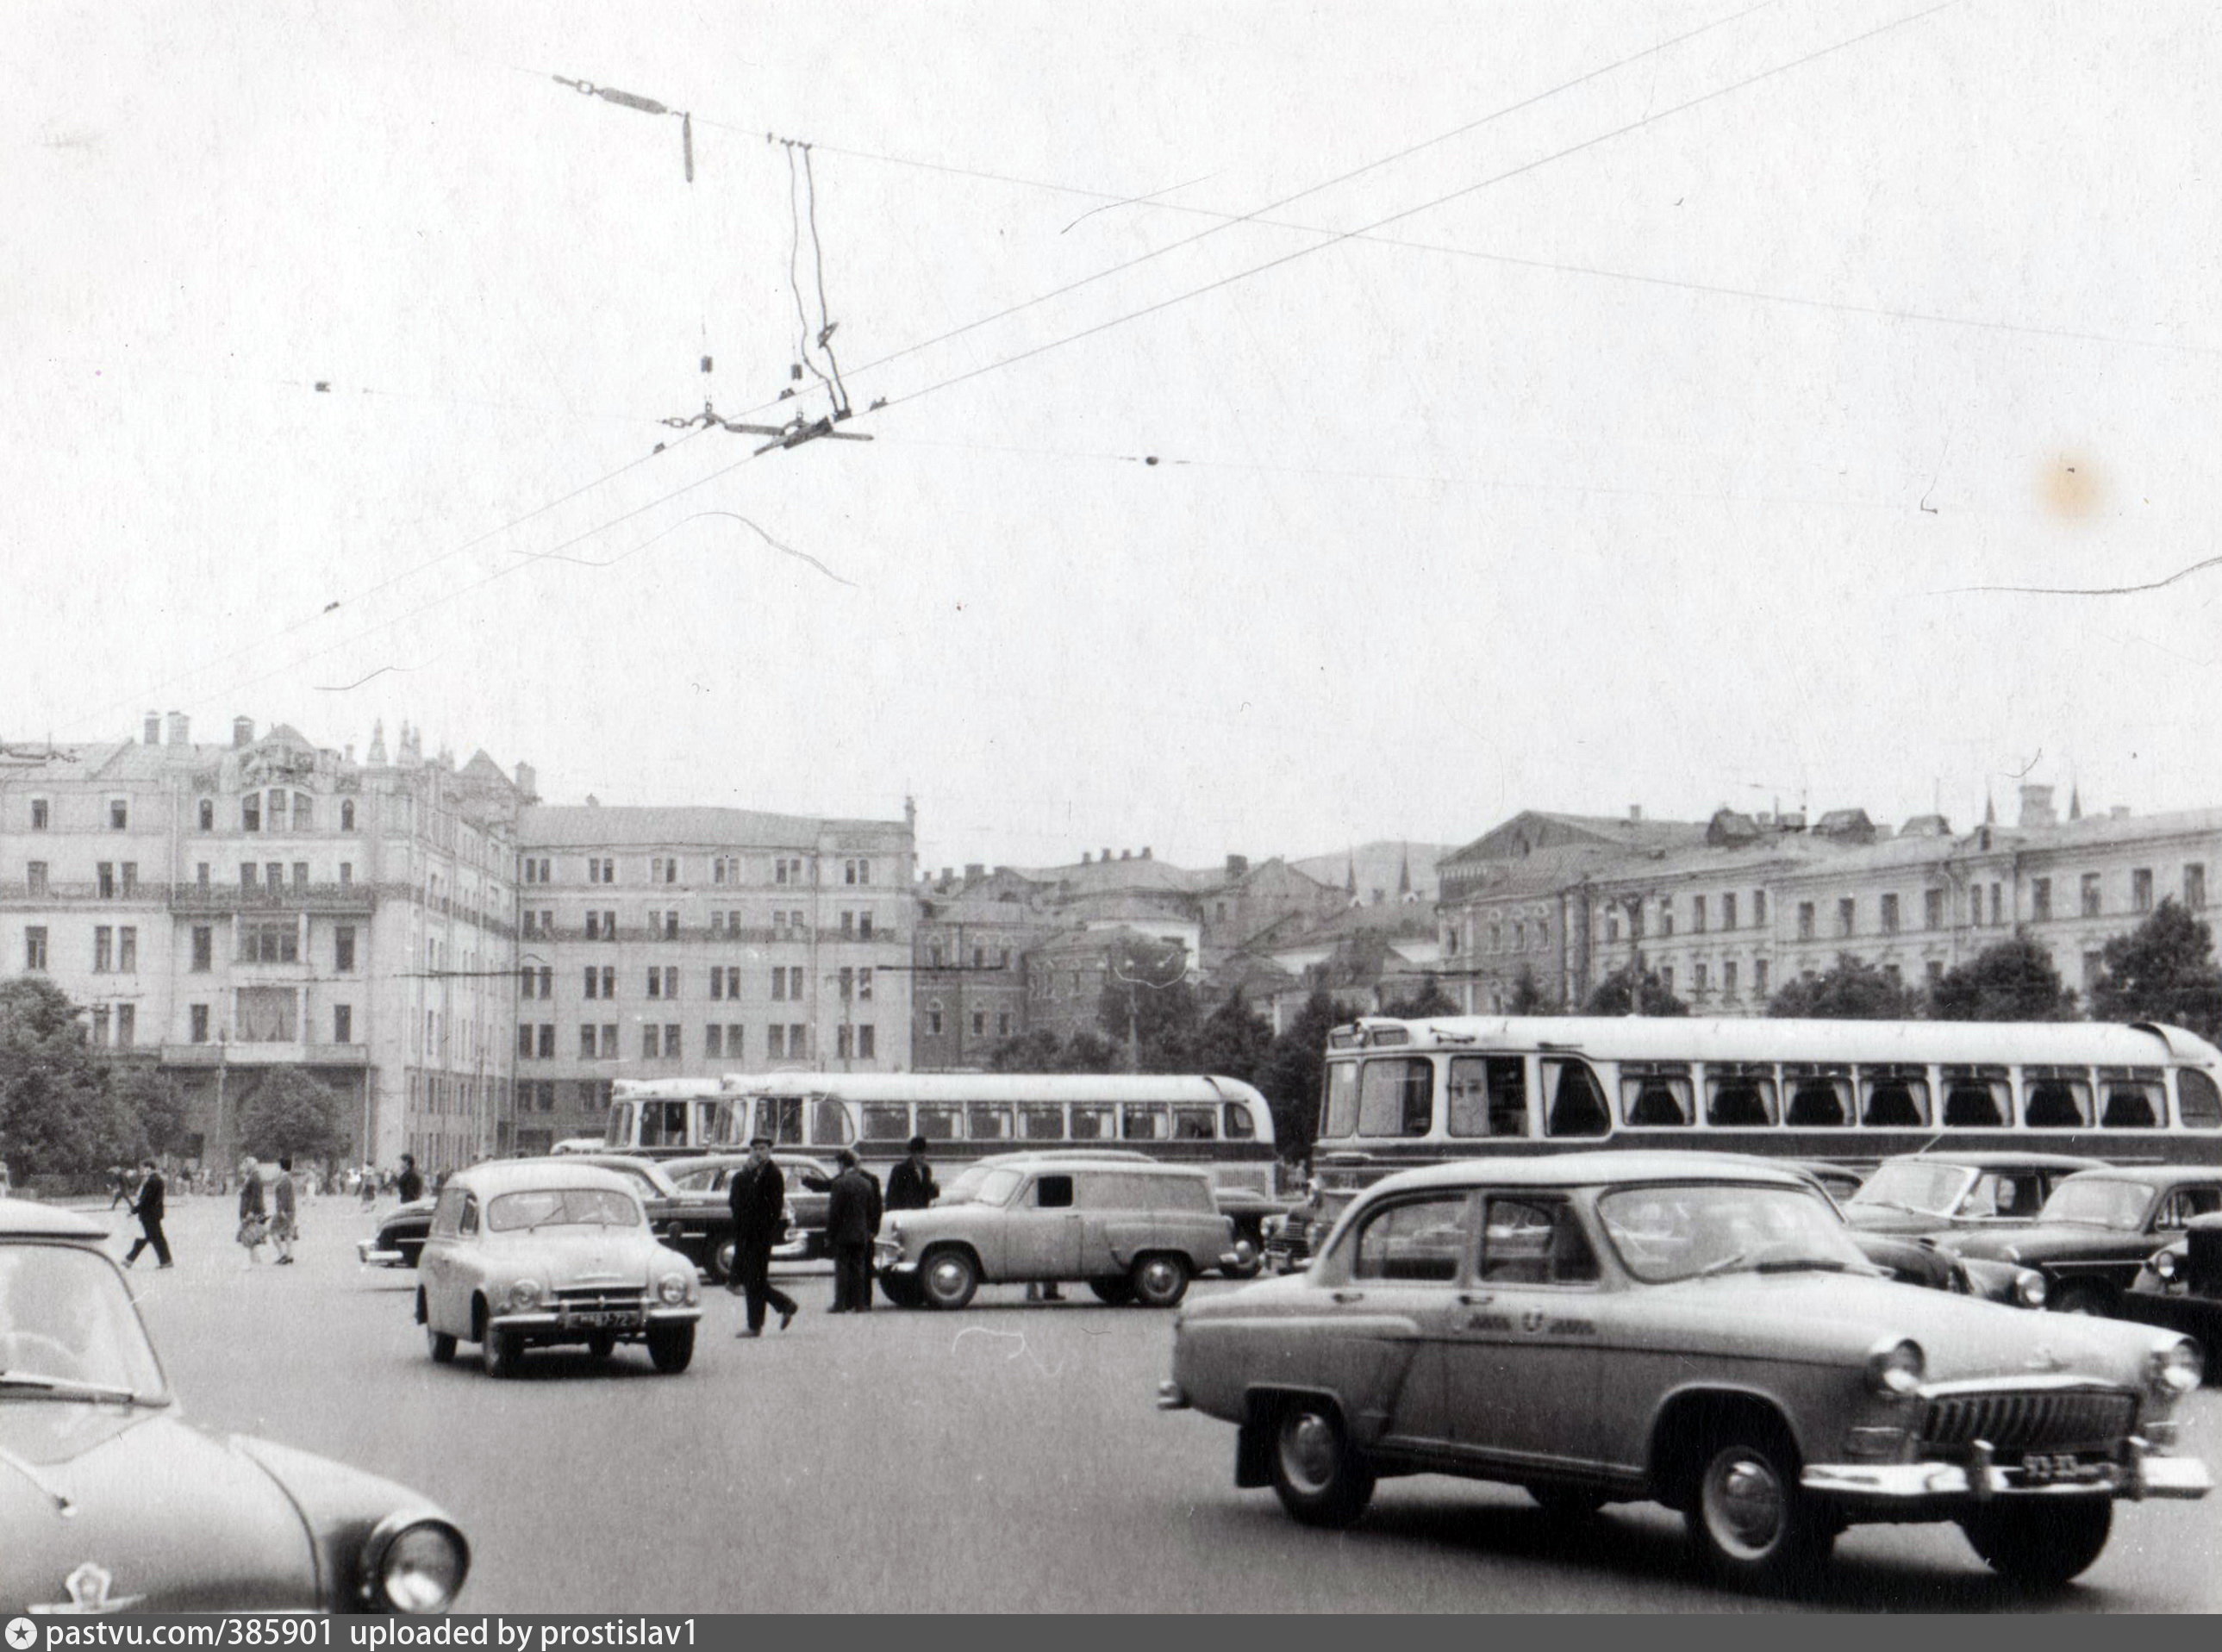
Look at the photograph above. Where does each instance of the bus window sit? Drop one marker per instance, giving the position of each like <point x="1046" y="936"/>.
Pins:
<point x="663" y="1123"/>
<point x="2131" y="1098"/>
<point x="2198" y="1099"/>
<point x="1975" y="1098"/>
<point x="986" y="1122"/>
<point x="1397" y="1097"/>
<point x="1655" y="1096"/>
<point x="1091" y="1121"/>
<point x="1820" y="1096"/>
<point x="1739" y="1095"/>
<point x="1236" y="1122"/>
<point x="1192" y="1124"/>
<point x="780" y="1118"/>
<point x="2056" y="1098"/>
<point x="1042" y="1123"/>
<point x="887" y="1120"/>
<point x="1488" y="1095"/>
<point x="1893" y="1098"/>
<point x="829" y="1124"/>
<point x="620" y="1133"/>
<point x="937" y="1123"/>
<point x="1577" y="1105"/>
<point x="1341" y="1100"/>
<point x="1144" y="1121"/>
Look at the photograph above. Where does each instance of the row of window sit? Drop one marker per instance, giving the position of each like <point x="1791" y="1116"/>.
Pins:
<point x="721" y="1041"/>
<point x="601" y="924"/>
<point x="936" y="957"/>
<point x="267" y="1016"/>
<point x="115" y="949"/>
<point x="118" y="810"/>
<point x="725" y="870"/>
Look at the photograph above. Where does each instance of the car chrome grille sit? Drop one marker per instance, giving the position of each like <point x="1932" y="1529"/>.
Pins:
<point x="2023" y="1420"/>
<point x="601" y="1299"/>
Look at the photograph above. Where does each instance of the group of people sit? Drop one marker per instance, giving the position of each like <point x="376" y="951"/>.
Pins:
<point x="854" y="1206"/>
<point x="269" y="1209"/>
<point x="276" y="1222"/>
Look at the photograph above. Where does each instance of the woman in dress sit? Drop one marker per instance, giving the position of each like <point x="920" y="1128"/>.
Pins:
<point x="253" y="1217"/>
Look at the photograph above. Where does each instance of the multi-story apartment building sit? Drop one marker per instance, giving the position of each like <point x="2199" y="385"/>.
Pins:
<point x="230" y="911"/>
<point x="671" y="942"/>
<point x="970" y="991"/>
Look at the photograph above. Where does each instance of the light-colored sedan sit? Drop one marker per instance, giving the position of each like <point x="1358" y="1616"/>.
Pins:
<point x="540" y="1251"/>
<point x="1615" y="1327"/>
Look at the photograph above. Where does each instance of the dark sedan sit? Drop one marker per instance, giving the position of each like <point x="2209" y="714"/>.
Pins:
<point x="400" y="1238"/>
<point x="2179" y="1288"/>
<point x="709" y="1178"/>
<point x="2095" y="1233"/>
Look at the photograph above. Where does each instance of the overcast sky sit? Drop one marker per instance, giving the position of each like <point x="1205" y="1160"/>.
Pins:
<point x="1641" y="455"/>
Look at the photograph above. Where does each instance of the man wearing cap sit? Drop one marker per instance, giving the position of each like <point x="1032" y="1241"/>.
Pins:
<point x="852" y="1222"/>
<point x="758" y="1198"/>
<point x="911" y="1186"/>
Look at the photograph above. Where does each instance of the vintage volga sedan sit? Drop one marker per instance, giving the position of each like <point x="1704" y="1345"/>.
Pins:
<point x="1621" y="1326"/>
<point x="110" y="1502"/>
<point x="536" y="1251"/>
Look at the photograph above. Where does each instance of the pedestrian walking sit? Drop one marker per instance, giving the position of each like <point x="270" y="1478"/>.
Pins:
<point x="369" y="1187"/>
<point x="284" y="1212"/>
<point x="408" y="1184"/>
<point x="149" y="1205"/>
<point x="852" y="1222"/>
<point x="121" y="1189"/>
<point x="254" y="1215"/>
<point x="758" y="1198"/>
<point x="911" y="1186"/>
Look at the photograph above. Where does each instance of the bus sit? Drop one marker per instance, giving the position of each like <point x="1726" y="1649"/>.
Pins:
<point x="1405" y="1093"/>
<point x="1221" y="1122"/>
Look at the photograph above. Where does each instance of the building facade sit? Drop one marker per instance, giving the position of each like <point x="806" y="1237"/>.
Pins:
<point x="685" y="941"/>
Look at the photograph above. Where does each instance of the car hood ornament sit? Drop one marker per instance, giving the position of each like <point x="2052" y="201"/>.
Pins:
<point x="88" y="1588"/>
<point x="2045" y="1360"/>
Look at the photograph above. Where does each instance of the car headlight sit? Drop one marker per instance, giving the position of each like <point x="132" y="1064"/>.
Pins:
<point x="524" y="1295"/>
<point x="1896" y="1368"/>
<point x="2175" y="1368"/>
<point x="671" y="1290"/>
<point x="2166" y="1267"/>
<point x="414" y="1567"/>
<point x="2029" y="1288"/>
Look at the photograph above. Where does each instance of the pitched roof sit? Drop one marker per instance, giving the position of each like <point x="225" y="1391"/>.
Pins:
<point x="558" y="826"/>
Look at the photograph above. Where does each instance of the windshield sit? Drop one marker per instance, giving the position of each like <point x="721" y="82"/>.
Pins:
<point x="1904" y="1185"/>
<point x="997" y="1187"/>
<point x="1664" y="1234"/>
<point x="2099" y="1202"/>
<point x="67" y="1325"/>
<point x="565" y="1206"/>
<point x="704" y="1180"/>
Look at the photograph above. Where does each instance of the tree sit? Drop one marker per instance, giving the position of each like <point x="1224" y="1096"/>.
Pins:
<point x="1613" y="994"/>
<point x="1234" y="1041"/>
<point x="1851" y="990"/>
<point x="154" y="1100"/>
<point x="58" y="1116"/>
<point x="1528" y="998"/>
<point x="1148" y="1005"/>
<point x="2013" y="980"/>
<point x="1295" y="1069"/>
<point x="1429" y="1000"/>
<point x="1086" y="1052"/>
<point x="2163" y="970"/>
<point x="1029" y="1051"/>
<point x="293" y="1114"/>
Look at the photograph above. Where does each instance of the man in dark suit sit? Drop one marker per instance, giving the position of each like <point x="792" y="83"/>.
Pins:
<point x="758" y="1197"/>
<point x="408" y="1184"/>
<point x="911" y="1186"/>
<point x="148" y="1206"/>
<point x="852" y="1222"/>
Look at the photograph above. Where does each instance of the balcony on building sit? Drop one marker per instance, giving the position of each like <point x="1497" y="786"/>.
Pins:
<point x="218" y="898"/>
<point x="278" y="1054"/>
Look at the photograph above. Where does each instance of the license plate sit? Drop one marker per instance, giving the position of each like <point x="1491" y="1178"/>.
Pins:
<point x="606" y="1320"/>
<point x="2038" y="1469"/>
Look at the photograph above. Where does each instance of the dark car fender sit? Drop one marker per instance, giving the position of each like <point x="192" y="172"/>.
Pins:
<point x="342" y="1508"/>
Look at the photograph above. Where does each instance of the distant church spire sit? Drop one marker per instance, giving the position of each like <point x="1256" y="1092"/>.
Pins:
<point x="1350" y="884"/>
<point x="1990" y="809"/>
<point x="378" y="741"/>
<point x="1404" y="876"/>
<point x="2074" y="801"/>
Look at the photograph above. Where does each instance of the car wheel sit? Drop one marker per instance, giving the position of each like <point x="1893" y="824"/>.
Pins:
<point x="410" y="1253"/>
<point x="2044" y="1544"/>
<point x="2083" y="1299"/>
<point x="671" y="1347"/>
<point x="1248" y="1270"/>
<point x="1750" y="1522"/>
<point x="500" y="1351"/>
<point x="1320" y="1478"/>
<point x="1116" y="1291"/>
<point x="904" y="1293"/>
<point x="1567" y="1503"/>
<point x="601" y="1345"/>
<point x="718" y="1261"/>
<point x="442" y="1346"/>
<point x="1159" y="1281"/>
<point x="948" y="1279"/>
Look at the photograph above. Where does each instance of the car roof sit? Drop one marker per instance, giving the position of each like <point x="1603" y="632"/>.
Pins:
<point x="676" y="1168"/>
<point x="2000" y="1160"/>
<point x="498" y="1176"/>
<point x="1144" y="1166"/>
<point x="1095" y="1155"/>
<point x="654" y="1168"/>
<point x="1591" y="1169"/>
<point x="23" y="1218"/>
<point x="2152" y="1175"/>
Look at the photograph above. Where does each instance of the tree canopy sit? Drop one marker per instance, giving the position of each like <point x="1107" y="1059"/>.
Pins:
<point x="1148" y="1006"/>
<point x="2163" y="970"/>
<point x="59" y="1114"/>
<point x="2014" y="980"/>
<point x="1295" y="1070"/>
<point x="1613" y="995"/>
<point x="1850" y="990"/>
<point x="293" y="1114"/>
<point x="1427" y="998"/>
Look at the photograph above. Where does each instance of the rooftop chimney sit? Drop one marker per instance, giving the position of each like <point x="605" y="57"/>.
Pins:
<point x="528" y="782"/>
<point x="152" y="729"/>
<point x="180" y="730"/>
<point x="1106" y="855"/>
<point x="2037" y="805"/>
<point x="243" y="732"/>
<point x="1086" y="859"/>
<point x="1236" y="865"/>
<point x="974" y="869"/>
<point x="1635" y="813"/>
<point x="1125" y="854"/>
<point x="1145" y="851"/>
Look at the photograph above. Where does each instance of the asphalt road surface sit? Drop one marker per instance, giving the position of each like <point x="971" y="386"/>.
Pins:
<point x="1005" y="1458"/>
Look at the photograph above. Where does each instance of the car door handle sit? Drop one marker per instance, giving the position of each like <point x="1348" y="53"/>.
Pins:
<point x="1346" y="1296"/>
<point x="1476" y="1299"/>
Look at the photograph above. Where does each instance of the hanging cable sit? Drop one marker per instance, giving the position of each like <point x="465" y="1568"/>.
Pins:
<point x="826" y="322"/>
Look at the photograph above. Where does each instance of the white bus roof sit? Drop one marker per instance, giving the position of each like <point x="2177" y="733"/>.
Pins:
<point x="1641" y="1038"/>
<point x="665" y="1089"/>
<point x="950" y="1087"/>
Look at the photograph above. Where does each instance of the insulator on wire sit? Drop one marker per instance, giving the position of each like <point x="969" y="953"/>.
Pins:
<point x="686" y="143"/>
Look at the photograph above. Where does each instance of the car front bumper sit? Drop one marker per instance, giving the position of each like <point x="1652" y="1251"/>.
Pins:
<point x="541" y="1321"/>
<point x="1943" y="1487"/>
<point x="374" y="1255"/>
